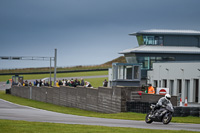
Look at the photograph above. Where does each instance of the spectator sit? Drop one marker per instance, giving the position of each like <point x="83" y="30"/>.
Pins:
<point x="46" y="84"/>
<point x="23" y="84"/>
<point x="63" y="82"/>
<point x="19" y="84"/>
<point x="36" y="83"/>
<point x="57" y="83"/>
<point x="105" y="83"/>
<point x="26" y="83"/>
<point x="67" y="82"/>
<point x="72" y="82"/>
<point x="82" y="82"/>
<point x="30" y="84"/>
<point x="88" y="84"/>
<point x="43" y="83"/>
<point x="76" y="82"/>
<point x="40" y="82"/>
<point x="60" y="82"/>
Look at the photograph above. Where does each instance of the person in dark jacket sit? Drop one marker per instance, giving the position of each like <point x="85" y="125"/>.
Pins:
<point x="82" y="82"/>
<point x="105" y="83"/>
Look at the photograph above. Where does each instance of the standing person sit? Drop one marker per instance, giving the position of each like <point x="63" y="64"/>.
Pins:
<point x="26" y="83"/>
<point x="82" y="82"/>
<point x="40" y="82"/>
<point x="76" y="82"/>
<point x="30" y="84"/>
<point x="8" y="81"/>
<point x="36" y="83"/>
<point x="57" y="83"/>
<point x="63" y="82"/>
<point x="105" y="83"/>
<point x="151" y="90"/>
<point x="46" y="84"/>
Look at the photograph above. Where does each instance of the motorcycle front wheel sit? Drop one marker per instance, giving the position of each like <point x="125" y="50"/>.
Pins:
<point x="147" y="119"/>
<point x="167" y="118"/>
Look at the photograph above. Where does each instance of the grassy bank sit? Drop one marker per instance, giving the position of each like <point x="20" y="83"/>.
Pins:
<point x="11" y="126"/>
<point x="74" y="111"/>
<point x="47" y="69"/>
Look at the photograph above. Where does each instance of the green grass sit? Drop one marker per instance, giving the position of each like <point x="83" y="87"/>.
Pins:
<point x="59" y="75"/>
<point x="11" y="126"/>
<point x="46" y="69"/>
<point x="75" y="111"/>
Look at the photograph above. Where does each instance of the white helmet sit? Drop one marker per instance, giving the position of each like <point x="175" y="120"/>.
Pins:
<point x="167" y="97"/>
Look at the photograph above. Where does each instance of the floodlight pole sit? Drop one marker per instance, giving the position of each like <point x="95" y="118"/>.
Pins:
<point x="55" y="60"/>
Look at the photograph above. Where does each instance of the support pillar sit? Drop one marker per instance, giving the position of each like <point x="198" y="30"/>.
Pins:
<point x="191" y="91"/>
<point x="183" y="90"/>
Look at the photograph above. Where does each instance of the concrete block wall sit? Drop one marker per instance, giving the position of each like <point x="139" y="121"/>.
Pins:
<point x="92" y="99"/>
<point x="154" y="98"/>
<point x="106" y="100"/>
<point x="126" y="96"/>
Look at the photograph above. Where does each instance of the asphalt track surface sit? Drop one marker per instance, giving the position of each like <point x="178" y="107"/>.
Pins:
<point x="13" y="111"/>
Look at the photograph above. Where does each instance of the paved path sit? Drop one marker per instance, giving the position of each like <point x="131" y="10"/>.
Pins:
<point x="12" y="111"/>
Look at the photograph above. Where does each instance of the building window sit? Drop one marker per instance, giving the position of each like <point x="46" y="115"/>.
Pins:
<point x="159" y="83"/>
<point x="155" y="83"/>
<point x="152" y="59"/>
<point x="124" y="71"/>
<point x="164" y="83"/>
<point x="136" y="72"/>
<point x="129" y="71"/>
<point x="171" y="87"/>
<point x="153" y="40"/>
<point x="168" y="58"/>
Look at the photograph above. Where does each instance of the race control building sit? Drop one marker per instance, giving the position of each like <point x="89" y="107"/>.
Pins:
<point x="164" y="47"/>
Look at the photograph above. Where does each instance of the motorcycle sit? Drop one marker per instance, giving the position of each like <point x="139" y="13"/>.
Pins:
<point x="164" y="114"/>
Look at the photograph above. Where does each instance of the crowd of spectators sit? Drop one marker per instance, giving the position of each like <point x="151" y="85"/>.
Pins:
<point x="73" y="83"/>
<point x="34" y="83"/>
<point x="64" y="82"/>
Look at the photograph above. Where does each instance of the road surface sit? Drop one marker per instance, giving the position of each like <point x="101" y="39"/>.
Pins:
<point x="13" y="111"/>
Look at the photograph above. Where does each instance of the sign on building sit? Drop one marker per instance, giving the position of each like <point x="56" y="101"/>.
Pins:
<point x="162" y="91"/>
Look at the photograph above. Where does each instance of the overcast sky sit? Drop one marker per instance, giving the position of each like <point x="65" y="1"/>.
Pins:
<point x="85" y="32"/>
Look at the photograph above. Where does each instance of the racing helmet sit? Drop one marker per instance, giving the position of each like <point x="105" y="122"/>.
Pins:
<point x="167" y="96"/>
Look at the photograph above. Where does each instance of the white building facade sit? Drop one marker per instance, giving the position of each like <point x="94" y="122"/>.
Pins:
<point x="182" y="79"/>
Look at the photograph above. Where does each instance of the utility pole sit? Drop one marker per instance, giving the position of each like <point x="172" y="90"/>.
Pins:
<point x="55" y="61"/>
<point x="50" y="73"/>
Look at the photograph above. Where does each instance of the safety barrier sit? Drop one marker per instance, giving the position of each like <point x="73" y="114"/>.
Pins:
<point x="187" y="111"/>
<point x="144" y="107"/>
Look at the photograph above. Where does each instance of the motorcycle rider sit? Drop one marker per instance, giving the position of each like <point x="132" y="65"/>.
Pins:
<point x="162" y="102"/>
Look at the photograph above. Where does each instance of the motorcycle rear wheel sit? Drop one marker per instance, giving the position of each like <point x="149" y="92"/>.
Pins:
<point x="167" y="118"/>
<point x="147" y="119"/>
